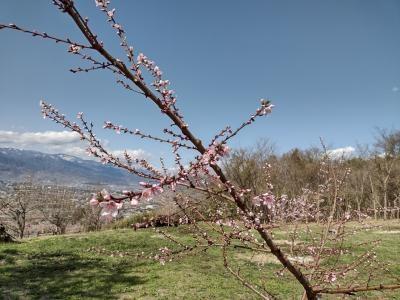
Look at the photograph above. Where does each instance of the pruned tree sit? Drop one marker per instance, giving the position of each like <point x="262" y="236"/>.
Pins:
<point x="17" y="205"/>
<point x="57" y="206"/>
<point x="386" y="158"/>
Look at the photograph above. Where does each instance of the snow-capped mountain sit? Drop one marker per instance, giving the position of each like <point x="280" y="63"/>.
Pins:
<point x="17" y="165"/>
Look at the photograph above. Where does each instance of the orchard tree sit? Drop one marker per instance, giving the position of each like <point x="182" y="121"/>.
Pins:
<point x="204" y="174"/>
<point x="17" y="205"/>
<point x="386" y="156"/>
<point x="245" y="167"/>
<point x="57" y="205"/>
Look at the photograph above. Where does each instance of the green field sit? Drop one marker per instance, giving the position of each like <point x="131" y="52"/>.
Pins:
<point x="105" y="265"/>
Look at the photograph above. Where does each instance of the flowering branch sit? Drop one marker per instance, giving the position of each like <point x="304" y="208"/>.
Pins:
<point x="204" y="173"/>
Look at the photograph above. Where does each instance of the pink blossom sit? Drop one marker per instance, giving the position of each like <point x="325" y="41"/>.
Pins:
<point x="91" y="151"/>
<point x="74" y="49"/>
<point x="141" y="58"/>
<point x="162" y="83"/>
<point x="134" y="202"/>
<point x="224" y="150"/>
<point x="117" y="26"/>
<point x="102" y="3"/>
<point x="213" y="153"/>
<point x="267" y="109"/>
<point x="110" y="13"/>
<point x="94" y="202"/>
<point x="110" y="208"/>
<point x="152" y="191"/>
<point x="157" y="71"/>
<point x="157" y="189"/>
<point x="108" y="124"/>
<point x="147" y="193"/>
<point x="266" y="199"/>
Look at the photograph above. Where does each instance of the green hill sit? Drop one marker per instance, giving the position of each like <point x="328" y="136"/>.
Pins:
<point x="111" y="265"/>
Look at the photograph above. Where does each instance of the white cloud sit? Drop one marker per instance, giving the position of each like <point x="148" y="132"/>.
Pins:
<point x="64" y="142"/>
<point x="133" y="153"/>
<point x="79" y="151"/>
<point x="395" y="89"/>
<point x="38" y="138"/>
<point x="338" y="153"/>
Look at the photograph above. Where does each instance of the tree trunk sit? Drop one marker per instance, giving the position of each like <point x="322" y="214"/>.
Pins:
<point x="373" y="196"/>
<point x="385" y="198"/>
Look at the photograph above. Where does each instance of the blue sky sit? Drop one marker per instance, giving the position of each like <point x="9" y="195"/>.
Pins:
<point x="332" y="69"/>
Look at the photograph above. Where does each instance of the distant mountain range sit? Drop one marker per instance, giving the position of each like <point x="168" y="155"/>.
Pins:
<point x="60" y="169"/>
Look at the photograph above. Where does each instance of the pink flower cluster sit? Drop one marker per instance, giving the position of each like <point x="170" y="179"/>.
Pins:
<point x="150" y="190"/>
<point x="266" y="108"/>
<point x="74" y="49"/>
<point x="109" y="206"/>
<point x="266" y="199"/>
<point x="102" y="3"/>
<point x="110" y="13"/>
<point x="117" y="128"/>
<point x="214" y="153"/>
<point x="149" y="65"/>
<point x="160" y="85"/>
<point x="298" y="208"/>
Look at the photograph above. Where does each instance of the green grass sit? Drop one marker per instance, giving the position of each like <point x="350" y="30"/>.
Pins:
<point x="104" y="265"/>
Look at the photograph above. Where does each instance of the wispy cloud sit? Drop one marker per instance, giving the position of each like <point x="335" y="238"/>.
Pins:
<point x="65" y="142"/>
<point x="344" y="152"/>
<point x="395" y="89"/>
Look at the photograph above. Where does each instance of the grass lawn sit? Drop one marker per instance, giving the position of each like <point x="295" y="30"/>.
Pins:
<point x="104" y="265"/>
